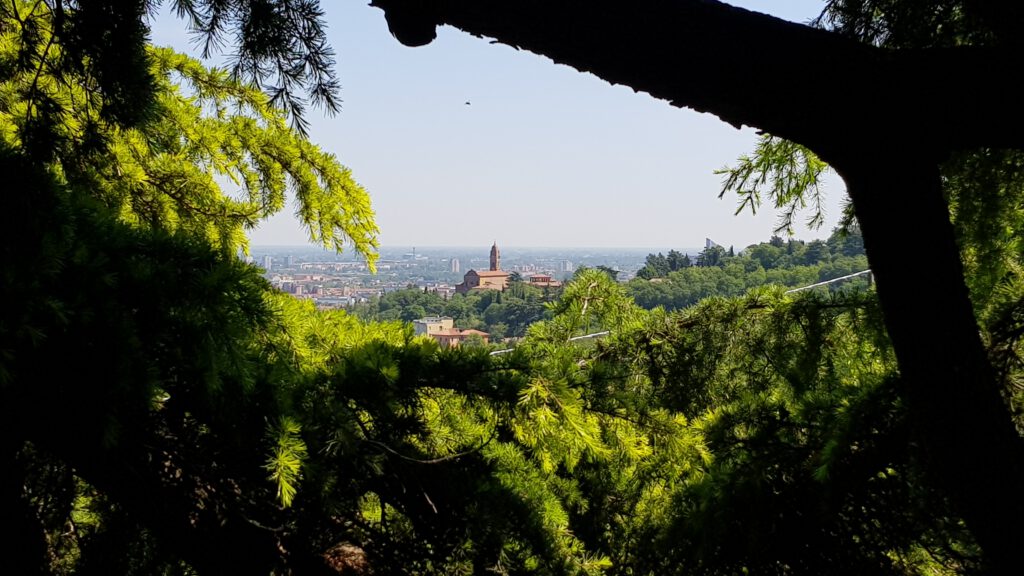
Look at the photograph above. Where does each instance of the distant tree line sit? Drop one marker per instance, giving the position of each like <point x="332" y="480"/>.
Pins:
<point x="675" y="281"/>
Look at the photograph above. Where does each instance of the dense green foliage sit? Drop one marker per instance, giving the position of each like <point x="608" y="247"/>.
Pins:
<point x="137" y="364"/>
<point x="164" y="411"/>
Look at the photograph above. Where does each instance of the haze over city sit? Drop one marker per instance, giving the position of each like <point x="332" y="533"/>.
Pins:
<point x="463" y="142"/>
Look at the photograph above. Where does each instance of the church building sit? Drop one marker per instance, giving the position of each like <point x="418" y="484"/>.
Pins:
<point x="493" y="279"/>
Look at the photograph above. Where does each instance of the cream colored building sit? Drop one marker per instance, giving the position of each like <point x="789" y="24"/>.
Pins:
<point x="433" y="324"/>
<point x="442" y="329"/>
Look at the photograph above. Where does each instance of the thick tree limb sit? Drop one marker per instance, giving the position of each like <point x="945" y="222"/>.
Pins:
<point x="794" y="81"/>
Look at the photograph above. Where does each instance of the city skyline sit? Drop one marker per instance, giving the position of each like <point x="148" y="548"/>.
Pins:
<point x="462" y="141"/>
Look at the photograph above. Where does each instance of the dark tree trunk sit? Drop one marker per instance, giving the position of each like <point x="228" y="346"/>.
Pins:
<point x="967" y="441"/>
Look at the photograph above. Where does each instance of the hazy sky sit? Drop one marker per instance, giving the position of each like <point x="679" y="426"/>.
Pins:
<point x="542" y="155"/>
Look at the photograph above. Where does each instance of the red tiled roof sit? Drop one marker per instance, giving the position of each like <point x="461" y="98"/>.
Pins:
<point x="489" y="273"/>
<point x="457" y="332"/>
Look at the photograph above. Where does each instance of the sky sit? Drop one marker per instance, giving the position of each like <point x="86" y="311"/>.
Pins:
<point x="463" y="142"/>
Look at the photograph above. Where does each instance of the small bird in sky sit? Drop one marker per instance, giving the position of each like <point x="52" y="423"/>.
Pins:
<point x="467" y="102"/>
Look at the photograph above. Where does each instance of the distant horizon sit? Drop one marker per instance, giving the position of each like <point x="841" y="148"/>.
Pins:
<point x="461" y="246"/>
<point x="519" y="247"/>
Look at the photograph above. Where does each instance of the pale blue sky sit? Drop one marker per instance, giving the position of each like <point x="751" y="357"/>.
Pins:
<point x="543" y="156"/>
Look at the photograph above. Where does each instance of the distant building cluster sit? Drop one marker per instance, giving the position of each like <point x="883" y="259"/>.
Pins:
<point x="442" y="329"/>
<point x="317" y="287"/>
<point x="337" y="281"/>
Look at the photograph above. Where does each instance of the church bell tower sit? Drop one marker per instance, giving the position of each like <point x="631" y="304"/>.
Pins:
<point x="495" y="257"/>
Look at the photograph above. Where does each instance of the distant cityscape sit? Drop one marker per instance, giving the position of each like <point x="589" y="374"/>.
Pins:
<point x="341" y="280"/>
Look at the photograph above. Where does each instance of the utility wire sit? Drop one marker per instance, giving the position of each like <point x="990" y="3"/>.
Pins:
<point x="847" y="277"/>
<point x="573" y="339"/>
